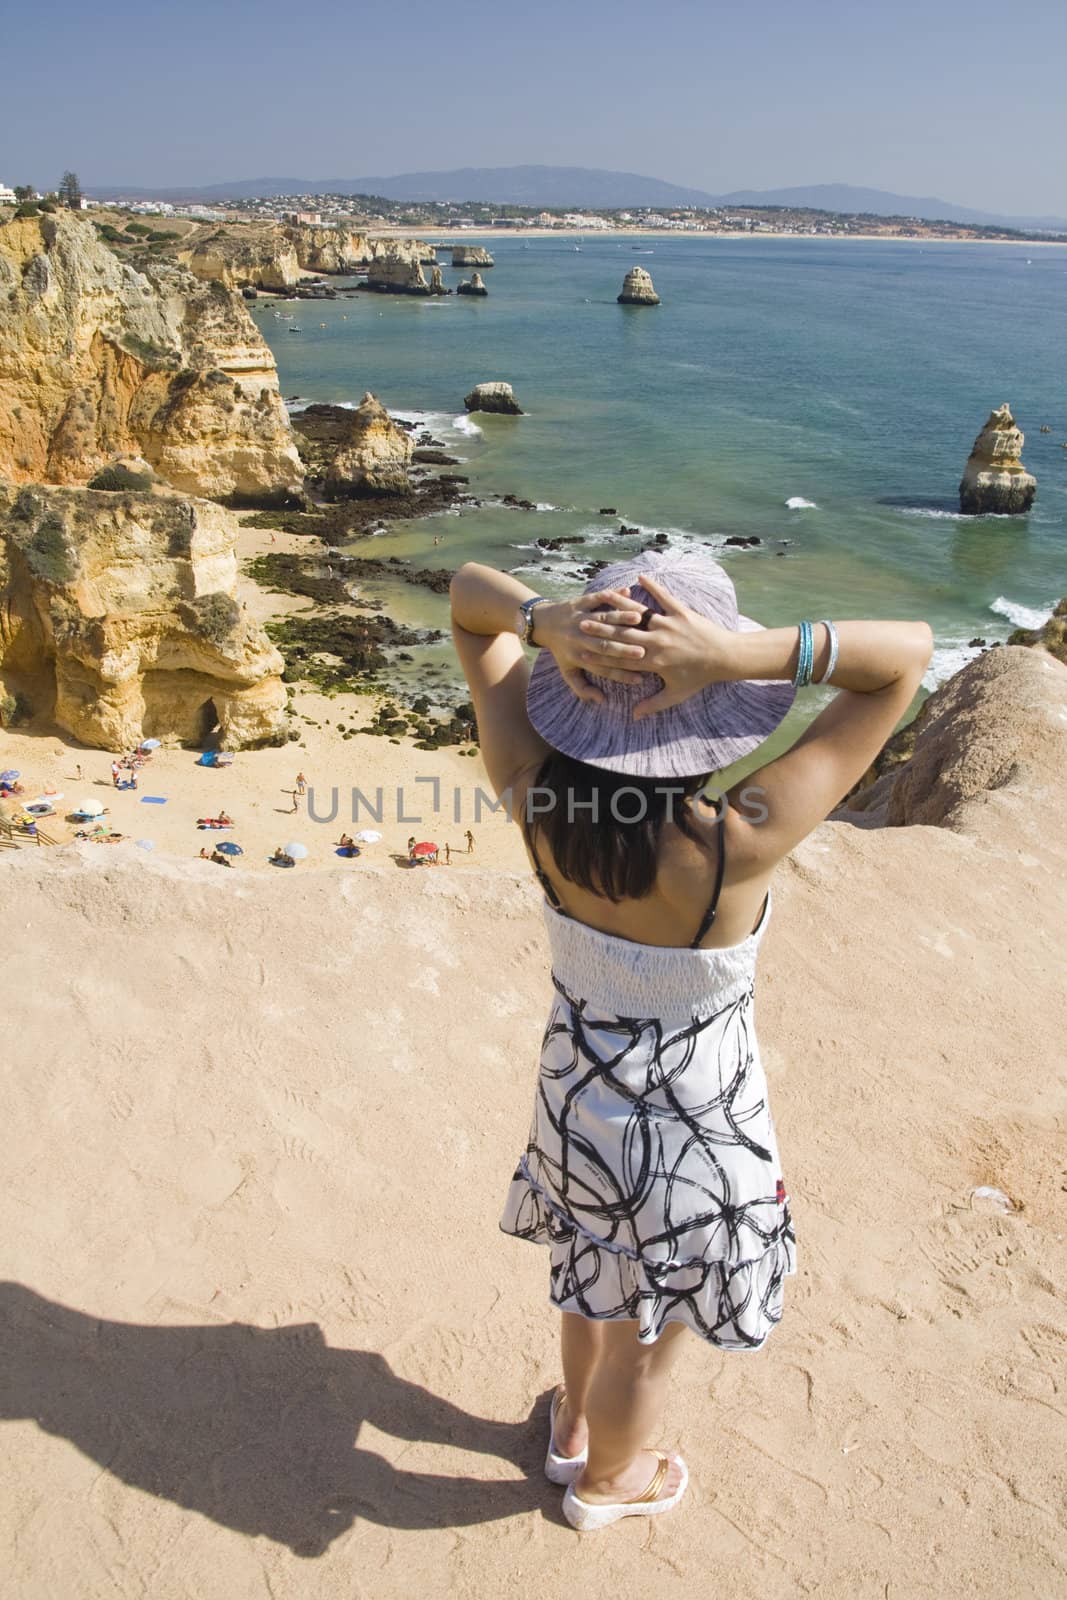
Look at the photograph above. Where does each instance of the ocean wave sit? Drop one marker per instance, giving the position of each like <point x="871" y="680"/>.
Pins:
<point x="797" y="502"/>
<point x="1020" y="616"/>
<point x="931" y="511"/>
<point x="948" y="659"/>
<point x="464" y="424"/>
<point x="298" y="403"/>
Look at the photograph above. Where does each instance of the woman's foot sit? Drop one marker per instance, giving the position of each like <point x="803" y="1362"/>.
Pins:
<point x="563" y="1462"/>
<point x="570" y="1432"/>
<point x="659" y="1493"/>
<point x="632" y="1483"/>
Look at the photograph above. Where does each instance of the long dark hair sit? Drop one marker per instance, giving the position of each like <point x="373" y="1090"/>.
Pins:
<point x="603" y="828"/>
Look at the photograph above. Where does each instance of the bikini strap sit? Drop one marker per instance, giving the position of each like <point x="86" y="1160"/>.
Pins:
<point x="713" y="906"/>
<point x="542" y="876"/>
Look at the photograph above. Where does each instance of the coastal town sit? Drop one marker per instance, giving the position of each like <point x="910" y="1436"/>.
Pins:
<point x="324" y="210"/>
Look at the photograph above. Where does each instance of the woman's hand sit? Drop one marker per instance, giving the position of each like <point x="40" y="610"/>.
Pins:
<point x="558" y="626"/>
<point x="686" y="650"/>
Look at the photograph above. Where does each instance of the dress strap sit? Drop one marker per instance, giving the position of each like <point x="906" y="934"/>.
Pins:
<point x="713" y="905"/>
<point x="543" y="879"/>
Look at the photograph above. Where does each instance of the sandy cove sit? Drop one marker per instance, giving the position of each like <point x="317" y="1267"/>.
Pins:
<point x="261" y="1334"/>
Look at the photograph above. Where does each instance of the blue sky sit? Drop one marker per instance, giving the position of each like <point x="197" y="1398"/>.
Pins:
<point x="963" y="99"/>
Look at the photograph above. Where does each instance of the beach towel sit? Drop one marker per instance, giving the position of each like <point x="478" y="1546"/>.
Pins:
<point x="153" y="799"/>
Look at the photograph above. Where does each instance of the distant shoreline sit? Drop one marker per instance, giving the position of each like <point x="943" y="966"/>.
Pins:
<point x="466" y="235"/>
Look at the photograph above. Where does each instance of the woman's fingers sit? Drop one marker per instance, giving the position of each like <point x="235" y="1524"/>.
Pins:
<point x="660" y="701"/>
<point x="579" y="684"/>
<point x="671" y="606"/>
<point x="608" y="598"/>
<point x="606" y="624"/>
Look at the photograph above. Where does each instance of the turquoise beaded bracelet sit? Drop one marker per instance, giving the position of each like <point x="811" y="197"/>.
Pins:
<point x="805" y="656"/>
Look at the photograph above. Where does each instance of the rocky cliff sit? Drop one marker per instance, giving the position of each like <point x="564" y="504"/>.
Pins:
<point x="98" y="359"/>
<point x="399" y="271"/>
<point x="277" y="255"/>
<point x="373" y="457"/>
<point x="119" y="620"/>
<point x="994" y="479"/>
<point x="1051" y="636"/>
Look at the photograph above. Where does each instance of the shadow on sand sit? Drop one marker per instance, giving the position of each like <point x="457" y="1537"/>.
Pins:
<point x="255" y="1428"/>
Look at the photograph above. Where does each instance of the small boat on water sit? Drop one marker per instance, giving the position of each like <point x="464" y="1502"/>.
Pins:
<point x="293" y="330"/>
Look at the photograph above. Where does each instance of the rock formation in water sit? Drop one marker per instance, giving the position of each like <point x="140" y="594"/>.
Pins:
<point x="472" y="285"/>
<point x="471" y="255"/>
<point x="1051" y="636"/>
<point x="437" y="283"/>
<point x="118" y="620"/>
<point x="994" y="479"/>
<point x="97" y="359"/>
<point x="397" y="272"/>
<point x="373" y="456"/>
<point x="276" y="255"/>
<point x="637" y="289"/>
<point x="493" y="397"/>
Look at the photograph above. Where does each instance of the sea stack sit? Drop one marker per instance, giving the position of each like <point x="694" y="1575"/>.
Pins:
<point x="637" y="289"/>
<point x="471" y="255"/>
<point x="994" y="479"/>
<point x="493" y="397"/>
<point x="437" y="283"/>
<point x="374" y="456"/>
<point x="472" y="285"/>
<point x="396" y="273"/>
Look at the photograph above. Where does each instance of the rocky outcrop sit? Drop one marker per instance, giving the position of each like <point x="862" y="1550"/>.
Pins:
<point x="276" y="255"/>
<point x="119" y="620"/>
<point x="1051" y="636"/>
<point x="373" y="455"/>
<point x="994" y="479"/>
<point x="998" y="725"/>
<point x="475" y="284"/>
<point x="471" y="255"/>
<point x="397" y="272"/>
<point x="97" y="359"/>
<point x="437" y="283"/>
<point x="493" y="397"/>
<point x="637" y="289"/>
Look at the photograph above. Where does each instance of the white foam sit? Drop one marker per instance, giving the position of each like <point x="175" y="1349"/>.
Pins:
<point x="797" y="502"/>
<point x="546" y="505"/>
<point x="930" y="511"/>
<point x="463" y="424"/>
<point x="1021" y="616"/>
<point x="299" y="404"/>
<point x="948" y="659"/>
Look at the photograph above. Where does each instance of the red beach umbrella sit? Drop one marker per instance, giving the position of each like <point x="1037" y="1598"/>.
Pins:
<point x="424" y="849"/>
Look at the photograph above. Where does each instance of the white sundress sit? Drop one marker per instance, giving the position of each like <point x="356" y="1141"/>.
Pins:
<point x="652" y="1169"/>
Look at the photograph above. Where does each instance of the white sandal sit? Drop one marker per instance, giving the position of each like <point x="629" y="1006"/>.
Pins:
<point x="561" y="1469"/>
<point x="587" y="1517"/>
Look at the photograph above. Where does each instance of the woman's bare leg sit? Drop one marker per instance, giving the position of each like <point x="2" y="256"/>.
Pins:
<point x="580" y="1343"/>
<point x="624" y="1407"/>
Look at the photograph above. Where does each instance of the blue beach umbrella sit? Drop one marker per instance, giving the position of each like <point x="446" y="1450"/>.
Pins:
<point x="229" y="847"/>
<point x="9" y="776"/>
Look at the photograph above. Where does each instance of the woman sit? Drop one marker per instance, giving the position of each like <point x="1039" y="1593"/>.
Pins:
<point x="652" y="1170"/>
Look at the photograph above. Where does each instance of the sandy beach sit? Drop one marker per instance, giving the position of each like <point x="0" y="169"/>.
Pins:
<point x="261" y="1334"/>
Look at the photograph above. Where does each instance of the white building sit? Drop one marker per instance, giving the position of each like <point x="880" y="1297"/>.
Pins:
<point x="6" y="195"/>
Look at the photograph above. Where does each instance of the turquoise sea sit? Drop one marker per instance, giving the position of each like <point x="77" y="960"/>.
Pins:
<point x="822" y="395"/>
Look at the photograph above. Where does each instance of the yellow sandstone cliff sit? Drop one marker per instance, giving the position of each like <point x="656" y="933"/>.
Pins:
<point x="99" y="359"/>
<point x="119" y="620"/>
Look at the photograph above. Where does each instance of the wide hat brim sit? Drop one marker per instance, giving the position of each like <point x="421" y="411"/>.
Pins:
<point x="710" y="731"/>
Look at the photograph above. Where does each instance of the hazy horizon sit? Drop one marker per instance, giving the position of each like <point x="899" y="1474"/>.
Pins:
<point x="924" y="100"/>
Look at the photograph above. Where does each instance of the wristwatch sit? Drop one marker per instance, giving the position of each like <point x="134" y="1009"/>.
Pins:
<point x="526" y="619"/>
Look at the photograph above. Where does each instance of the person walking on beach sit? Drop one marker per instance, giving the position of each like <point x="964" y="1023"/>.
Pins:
<point x="470" y="842"/>
<point x="448" y="855"/>
<point x="296" y="800"/>
<point x="301" y="783"/>
<point x="652" y="1171"/>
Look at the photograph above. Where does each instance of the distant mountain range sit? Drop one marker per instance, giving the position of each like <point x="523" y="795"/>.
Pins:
<point x="556" y="187"/>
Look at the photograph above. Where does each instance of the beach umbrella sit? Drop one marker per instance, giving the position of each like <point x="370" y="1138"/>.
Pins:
<point x="229" y="847"/>
<point x="297" y="850"/>
<point x="424" y="849"/>
<point x="368" y="836"/>
<point x="89" y="808"/>
<point x="149" y="744"/>
<point x="9" y="776"/>
<point x="145" y="844"/>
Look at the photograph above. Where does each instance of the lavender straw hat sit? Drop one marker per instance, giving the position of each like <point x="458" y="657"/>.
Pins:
<point x="705" y="733"/>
